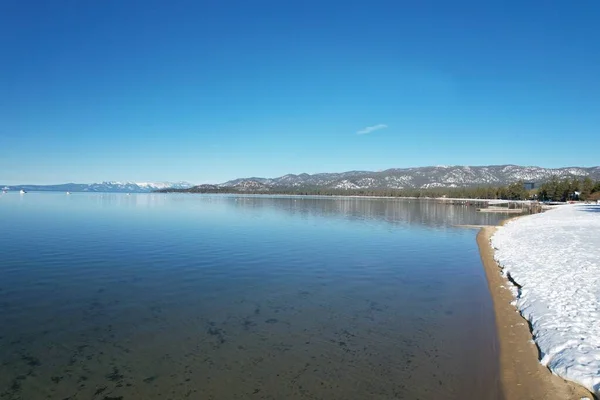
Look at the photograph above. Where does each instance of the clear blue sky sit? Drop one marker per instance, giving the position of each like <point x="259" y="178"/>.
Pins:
<point x="206" y="91"/>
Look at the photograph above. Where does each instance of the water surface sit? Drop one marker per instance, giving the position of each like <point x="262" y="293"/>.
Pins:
<point x="155" y="296"/>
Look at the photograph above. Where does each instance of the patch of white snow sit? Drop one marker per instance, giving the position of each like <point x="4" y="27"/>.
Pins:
<point x="554" y="257"/>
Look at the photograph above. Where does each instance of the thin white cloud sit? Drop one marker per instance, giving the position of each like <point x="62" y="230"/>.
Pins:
<point x="370" y="129"/>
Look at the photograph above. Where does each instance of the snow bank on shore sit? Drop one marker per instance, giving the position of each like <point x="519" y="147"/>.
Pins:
<point x="554" y="258"/>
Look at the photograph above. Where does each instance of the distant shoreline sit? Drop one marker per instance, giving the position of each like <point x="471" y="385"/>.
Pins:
<point x="448" y="200"/>
<point x="521" y="374"/>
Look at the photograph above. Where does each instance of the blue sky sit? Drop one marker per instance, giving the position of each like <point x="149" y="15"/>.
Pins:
<point x="206" y="91"/>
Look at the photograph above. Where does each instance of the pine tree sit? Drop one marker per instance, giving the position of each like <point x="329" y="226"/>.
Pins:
<point x="586" y="188"/>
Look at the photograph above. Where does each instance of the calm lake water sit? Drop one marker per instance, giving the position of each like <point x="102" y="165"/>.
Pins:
<point x="155" y="296"/>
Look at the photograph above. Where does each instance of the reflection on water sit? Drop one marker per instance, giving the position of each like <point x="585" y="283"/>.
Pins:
<point x="424" y="212"/>
<point x="106" y="296"/>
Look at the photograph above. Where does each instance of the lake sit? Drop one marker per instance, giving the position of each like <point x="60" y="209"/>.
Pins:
<point x="173" y="296"/>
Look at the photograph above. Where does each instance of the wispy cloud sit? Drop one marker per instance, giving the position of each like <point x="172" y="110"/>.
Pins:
<point x="370" y="129"/>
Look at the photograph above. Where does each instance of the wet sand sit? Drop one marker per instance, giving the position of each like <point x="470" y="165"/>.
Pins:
<point x="521" y="375"/>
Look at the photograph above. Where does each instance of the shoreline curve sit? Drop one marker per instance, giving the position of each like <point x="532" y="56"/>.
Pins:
<point x="522" y="377"/>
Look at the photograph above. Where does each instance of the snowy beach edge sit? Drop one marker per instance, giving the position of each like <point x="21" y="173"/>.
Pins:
<point x="521" y="374"/>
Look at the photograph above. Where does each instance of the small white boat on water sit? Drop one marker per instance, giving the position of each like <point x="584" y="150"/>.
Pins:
<point x="22" y="191"/>
<point x="68" y="192"/>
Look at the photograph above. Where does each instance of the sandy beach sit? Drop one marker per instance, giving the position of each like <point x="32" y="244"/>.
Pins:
<point x="521" y="374"/>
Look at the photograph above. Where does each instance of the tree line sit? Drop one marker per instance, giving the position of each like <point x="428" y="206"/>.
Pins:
<point x="515" y="191"/>
<point x="564" y="189"/>
<point x="553" y="190"/>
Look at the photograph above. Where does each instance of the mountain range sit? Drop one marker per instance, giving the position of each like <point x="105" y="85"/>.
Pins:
<point x="414" y="178"/>
<point x="395" y="178"/>
<point x="115" y="187"/>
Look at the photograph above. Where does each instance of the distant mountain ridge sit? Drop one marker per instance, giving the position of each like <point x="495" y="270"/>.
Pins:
<point x="115" y="187"/>
<point x="395" y="178"/>
<point x="414" y="178"/>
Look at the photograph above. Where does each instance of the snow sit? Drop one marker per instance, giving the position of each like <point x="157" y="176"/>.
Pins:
<point x="554" y="257"/>
<point x="346" y="184"/>
<point x="152" y="185"/>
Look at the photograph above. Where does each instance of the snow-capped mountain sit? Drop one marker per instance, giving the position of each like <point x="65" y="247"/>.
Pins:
<point x="396" y="178"/>
<point x="115" y="187"/>
<point x="411" y="178"/>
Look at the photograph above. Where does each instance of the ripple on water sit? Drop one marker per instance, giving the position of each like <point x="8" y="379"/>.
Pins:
<point x="209" y="297"/>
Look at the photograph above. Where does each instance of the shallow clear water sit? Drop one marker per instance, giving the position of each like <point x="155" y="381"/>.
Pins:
<point x="154" y="296"/>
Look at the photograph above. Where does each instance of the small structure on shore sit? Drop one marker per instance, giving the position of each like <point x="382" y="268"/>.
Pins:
<point x="505" y="206"/>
